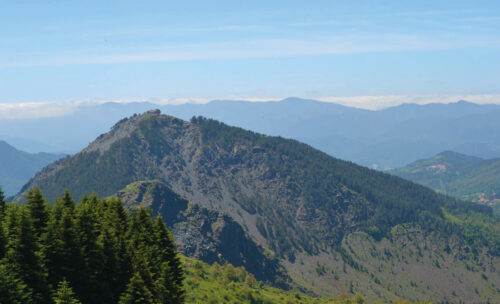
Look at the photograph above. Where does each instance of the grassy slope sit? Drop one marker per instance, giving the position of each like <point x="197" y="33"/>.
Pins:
<point x="228" y="284"/>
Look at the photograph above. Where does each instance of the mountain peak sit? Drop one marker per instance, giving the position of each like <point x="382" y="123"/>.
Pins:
<point x="127" y="126"/>
<point x="302" y="205"/>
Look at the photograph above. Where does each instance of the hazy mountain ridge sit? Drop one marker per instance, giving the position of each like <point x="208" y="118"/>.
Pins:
<point x="296" y="201"/>
<point x="17" y="167"/>
<point x="388" y="138"/>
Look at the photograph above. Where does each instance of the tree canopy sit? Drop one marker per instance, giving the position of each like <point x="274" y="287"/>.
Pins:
<point x="91" y="252"/>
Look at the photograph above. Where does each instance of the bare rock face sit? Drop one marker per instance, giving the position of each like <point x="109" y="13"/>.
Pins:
<point x="202" y="233"/>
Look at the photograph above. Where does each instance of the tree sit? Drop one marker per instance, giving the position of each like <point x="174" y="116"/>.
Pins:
<point x="172" y="274"/>
<point x="22" y="253"/>
<point x="60" y="249"/>
<point x="64" y="294"/>
<point x="66" y="200"/>
<point x="358" y="298"/>
<point x="12" y="289"/>
<point x="38" y="210"/>
<point x="136" y="292"/>
<point x="3" y="241"/>
<point x="2" y="204"/>
<point x="111" y="255"/>
<point x="86" y="227"/>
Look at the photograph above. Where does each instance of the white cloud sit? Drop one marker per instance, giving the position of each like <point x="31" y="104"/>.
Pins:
<point x="26" y="110"/>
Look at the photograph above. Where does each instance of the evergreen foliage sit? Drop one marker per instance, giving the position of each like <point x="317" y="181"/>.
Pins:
<point x="2" y="204"/>
<point x="37" y="207"/>
<point x="64" y="294"/>
<point x="12" y="290"/>
<point x="93" y="252"/>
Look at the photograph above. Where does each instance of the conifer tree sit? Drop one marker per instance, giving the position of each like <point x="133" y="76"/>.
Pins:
<point x="22" y="256"/>
<point x="64" y="294"/>
<point x="66" y="200"/>
<point x="109" y="254"/>
<point x="112" y="278"/>
<point x="38" y="210"/>
<point x="165" y="248"/>
<point x="87" y="231"/>
<point x="60" y="246"/>
<point x="3" y="241"/>
<point x="12" y="289"/>
<point x="137" y="292"/>
<point x="165" y="289"/>
<point x="2" y="204"/>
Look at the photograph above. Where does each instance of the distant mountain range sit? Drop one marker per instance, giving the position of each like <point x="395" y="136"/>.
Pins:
<point x="255" y="200"/>
<point x="383" y="139"/>
<point x="464" y="177"/>
<point x="17" y="167"/>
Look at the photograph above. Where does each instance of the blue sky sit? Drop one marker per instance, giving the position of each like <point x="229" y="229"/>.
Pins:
<point x="67" y="51"/>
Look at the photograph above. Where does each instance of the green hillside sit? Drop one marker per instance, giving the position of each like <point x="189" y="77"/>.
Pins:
<point x="334" y="226"/>
<point x="229" y="284"/>
<point x="461" y="176"/>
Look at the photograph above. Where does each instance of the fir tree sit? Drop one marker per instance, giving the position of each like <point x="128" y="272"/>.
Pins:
<point x="66" y="200"/>
<point x="136" y="292"/>
<point x="60" y="246"/>
<point x="12" y="289"/>
<point x="3" y="242"/>
<point x="2" y="204"/>
<point x="64" y="294"/>
<point x="38" y="210"/>
<point x="165" y="246"/>
<point x="109" y="254"/>
<point x="22" y="255"/>
<point x="87" y="231"/>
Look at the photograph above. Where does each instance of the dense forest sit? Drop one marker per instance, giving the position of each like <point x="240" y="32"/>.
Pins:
<point x="91" y="252"/>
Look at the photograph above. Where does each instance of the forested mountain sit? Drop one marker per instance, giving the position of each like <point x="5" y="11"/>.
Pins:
<point x="335" y="226"/>
<point x="17" y="167"/>
<point x="98" y="252"/>
<point x="387" y="138"/>
<point x="464" y="177"/>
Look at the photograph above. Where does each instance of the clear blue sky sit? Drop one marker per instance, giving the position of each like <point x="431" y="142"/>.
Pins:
<point x="102" y="50"/>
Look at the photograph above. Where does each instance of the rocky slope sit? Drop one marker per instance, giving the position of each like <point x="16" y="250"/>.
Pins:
<point x="301" y="204"/>
<point x="201" y="233"/>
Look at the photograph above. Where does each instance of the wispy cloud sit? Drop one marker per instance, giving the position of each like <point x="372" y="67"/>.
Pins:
<point x="32" y="110"/>
<point x="257" y="48"/>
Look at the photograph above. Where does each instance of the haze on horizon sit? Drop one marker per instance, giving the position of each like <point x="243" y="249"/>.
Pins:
<point x="385" y="51"/>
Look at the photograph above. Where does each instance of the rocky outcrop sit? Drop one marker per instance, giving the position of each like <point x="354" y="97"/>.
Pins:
<point x="203" y="233"/>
